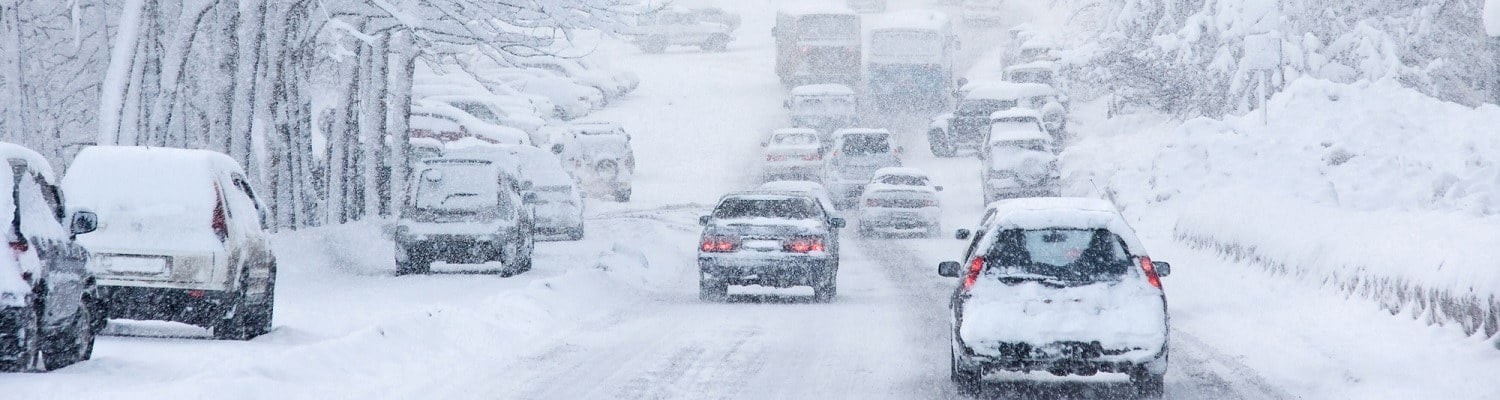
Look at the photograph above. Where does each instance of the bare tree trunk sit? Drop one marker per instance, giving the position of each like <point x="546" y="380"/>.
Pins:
<point x="118" y="76"/>
<point x="249" y="36"/>
<point x="402" y="67"/>
<point x="372" y="123"/>
<point x="10" y="21"/>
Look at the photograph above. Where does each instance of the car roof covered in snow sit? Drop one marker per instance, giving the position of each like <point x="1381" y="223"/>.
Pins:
<point x="813" y="9"/>
<point x="1001" y="90"/>
<point x="1034" y="65"/>
<point x="793" y="130"/>
<point x="1063" y="213"/>
<point x="823" y="89"/>
<point x="902" y="171"/>
<point x="792" y="186"/>
<point x="861" y="131"/>
<point x="765" y="194"/>
<point x="12" y="151"/>
<point x="909" y="19"/>
<point x="1017" y="112"/>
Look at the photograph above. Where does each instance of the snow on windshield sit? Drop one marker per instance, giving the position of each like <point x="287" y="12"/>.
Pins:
<point x="458" y="187"/>
<point x="784" y="208"/>
<point x="865" y="144"/>
<point x="796" y="139"/>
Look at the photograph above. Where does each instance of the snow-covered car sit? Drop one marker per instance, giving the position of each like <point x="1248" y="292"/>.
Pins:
<point x="967" y="125"/>
<point x="1059" y="285"/>
<point x="792" y="153"/>
<point x="1043" y="72"/>
<point x="429" y="117"/>
<point x="853" y="158"/>
<point x="982" y="10"/>
<point x="654" y="31"/>
<point x="557" y="202"/>
<point x="611" y="85"/>
<point x="1019" y="158"/>
<point x="50" y="309"/>
<point x="867" y="6"/>
<point x="497" y="110"/>
<point x="570" y="99"/>
<point x="469" y="209"/>
<point x="181" y="237"/>
<point x="492" y="82"/>
<point x="900" y="200"/>
<point x="1033" y="49"/>
<point x="717" y="15"/>
<point x="824" y="107"/>
<point x="775" y="239"/>
<point x="600" y="156"/>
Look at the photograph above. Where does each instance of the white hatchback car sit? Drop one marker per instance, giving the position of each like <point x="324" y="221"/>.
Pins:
<point x="900" y="200"/>
<point x="792" y="153"/>
<point x="1060" y="285"/>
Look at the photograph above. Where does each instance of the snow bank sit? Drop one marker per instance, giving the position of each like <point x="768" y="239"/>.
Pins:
<point x="1373" y="188"/>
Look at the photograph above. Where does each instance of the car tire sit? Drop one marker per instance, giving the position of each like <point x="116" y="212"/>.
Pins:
<point x="826" y="290"/>
<point x="29" y="351"/>
<point x="654" y="45"/>
<point x="575" y="233"/>
<point x="622" y="196"/>
<point x="716" y="44"/>
<point x="235" y="324"/>
<point x="73" y="346"/>
<point x="712" y="291"/>
<point x="259" y="322"/>
<point x="941" y="147"/>
<point x="968" y="382"/>
<point x="414" y="264"/>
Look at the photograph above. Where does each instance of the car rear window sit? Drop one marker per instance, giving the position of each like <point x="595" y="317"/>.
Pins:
<point x="796" y="139"/>
<point x="787" y="208"/>
<point x="903" y="180"/>
<point x="867" y="144"/>
<point x="1068" y="255"/>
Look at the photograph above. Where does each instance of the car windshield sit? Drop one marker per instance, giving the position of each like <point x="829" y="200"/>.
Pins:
<point x="903" y="180"/>
<point x="795" y="139"/>
<point x="984" y="106"/>
<point x="865" y="144"/>
<point x="1065" y="254"/>
<point x="1034" y="76"/>
<point x="783" y="208"/>
<point x="1027" y="145"/>
<point x="906" y="44"/>
<point x="458" y="187"/>
<point x="829" y="27"/>
<point x="478" y="111"/>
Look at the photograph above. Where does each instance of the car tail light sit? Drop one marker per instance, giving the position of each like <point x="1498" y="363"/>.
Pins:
<point x="775" y="158"/>
<point x="19" y="247"/>
<point x="805" y="245"/>
<point x="872" y="203"/>
<point x="975" y="266"/>
<point x="1150" y="272"/>
<point x="718" y="245"/>
<point x="220" y="221"/>
<point x="806" y="49"/>
<point x="812" y="157"/>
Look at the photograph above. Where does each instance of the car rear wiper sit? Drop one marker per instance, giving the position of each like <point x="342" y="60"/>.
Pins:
<point x="1011" y="279"/>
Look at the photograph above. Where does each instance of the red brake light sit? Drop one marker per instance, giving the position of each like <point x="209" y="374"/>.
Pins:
<point x="775" y="158"/>
<point x="20" y="246"/>
<point x="812" y="157"/>
<point x="805" y="245"/>
<point x="872" y="203"/>
<point x="220" y="223"/>
<point x="717" y="245"/>
<point x="1150" y="272"/>
<point x="975" y="266"/>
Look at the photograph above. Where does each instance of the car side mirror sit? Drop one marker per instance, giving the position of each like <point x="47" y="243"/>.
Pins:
<point x="836" y="222"/>
<point x="704" y="220"/>
<point x="949" y="269"/>
<point x="83" y="222"/>
<point x="1162" y="268"/>
<point x="937" y="188"/>
<point x="962" y="234"/>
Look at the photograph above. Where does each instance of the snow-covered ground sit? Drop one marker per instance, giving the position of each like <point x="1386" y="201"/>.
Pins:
<point x="617" y="315"/>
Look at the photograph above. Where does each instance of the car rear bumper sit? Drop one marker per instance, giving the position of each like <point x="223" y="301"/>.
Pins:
<point x="190" y="306"/>
<point x="454" y="249"/>
<point x="787" y="271"/>
<point x="1064" y="358"/>
<point x="898" y="218"/>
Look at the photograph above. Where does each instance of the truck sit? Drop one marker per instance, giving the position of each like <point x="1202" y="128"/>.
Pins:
<point x="817" y="44"/>
<point x="910" y="60"/>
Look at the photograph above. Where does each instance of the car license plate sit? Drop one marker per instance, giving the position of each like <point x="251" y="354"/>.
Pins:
<point x="763" y="245"/>
<point x="134" y="264"/>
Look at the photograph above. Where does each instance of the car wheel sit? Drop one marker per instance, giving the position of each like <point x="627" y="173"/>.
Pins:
<point x="654" y="44"/>
<point x="260" y="321"/>
<point x="826" y="290"/>
<point x="234" y="325"/>
<point x="27" y="352"/>
<point x="414" y="264"/>
<point x="967" y="381"/>
<point x="73" y="346"/>
<point x="576" y="233"/>
<point x="941" y="147"/>
<point x="1147" y="384"/>
<point x="622" y="196"/>
<point x="712" y="291"/>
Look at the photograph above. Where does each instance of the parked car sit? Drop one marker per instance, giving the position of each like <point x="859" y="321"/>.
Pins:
<point x="1059" y="285"/>
<point x="867" y="6"/>
<point x="900" y="200"/>
<point x="1019" y="158"/>
<point x="498" y="110"/>
<point x="853" y="159"/>
<point x="50" y="309"/>
<point x="654" y="31"/>
<point x="436" y="116"/>
<point x="792" y="153"/>
<point x="612" y="85"/>
<point x="600" y="156"/>
<point x="467" y="208"/>
<point x="557" y="203"/>
<point x="571" y="99"/>
<point x="776" y="239"/>
<point x="967" y="125"/>
<point x="983" y="10"/>
<point x="181" y="237"/>
<point x="823" y="107"/>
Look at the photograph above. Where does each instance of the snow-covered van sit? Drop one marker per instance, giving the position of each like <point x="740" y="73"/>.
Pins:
<point x="466" y="207"/>
<point x="49" y="307"/>
<point x="1060" y="285"/>
<point x="1019" y="157"/>
<point x="909" y="59"/>
<point x="180" y="237"/>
